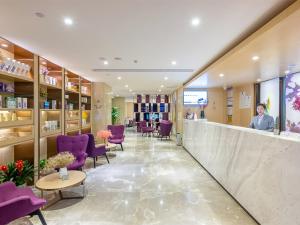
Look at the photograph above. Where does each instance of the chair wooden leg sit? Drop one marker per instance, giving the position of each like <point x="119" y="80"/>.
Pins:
<point x="94" y="162"/>
<point x="40" y="215"/>
<point x="122" y="147"/>
<point x="106" y="157"/>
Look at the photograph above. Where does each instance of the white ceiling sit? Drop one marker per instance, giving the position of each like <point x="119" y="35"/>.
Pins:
<point x="153" y="32"/>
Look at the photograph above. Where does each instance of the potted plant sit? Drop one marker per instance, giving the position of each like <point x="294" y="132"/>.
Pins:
<point x="115" y="114"/>
<point x="60" y="161"/>
<point x="20" y="172"/>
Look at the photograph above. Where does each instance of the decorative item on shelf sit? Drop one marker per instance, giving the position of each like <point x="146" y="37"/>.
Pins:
<point x="20" y="172"/>
<point x="14" y="67"/>
<point x="11" y="102"/>
<point x="84" y="116"/>
<point x="71" y="106"/>
<point x="46" y="105"/>
<point x="104" y="134"/>
<point x="51" y="125"/>
<point x="53" y="104"/>
<point x="60" y="161"/>
<point x="84" y="90"/>
<point x="1" y="101"/>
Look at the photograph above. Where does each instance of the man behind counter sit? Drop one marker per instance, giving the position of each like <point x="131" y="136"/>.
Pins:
<point x="262" y="121"/>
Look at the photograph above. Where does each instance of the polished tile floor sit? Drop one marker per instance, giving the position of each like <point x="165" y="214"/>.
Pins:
<point x="152" y="182"/>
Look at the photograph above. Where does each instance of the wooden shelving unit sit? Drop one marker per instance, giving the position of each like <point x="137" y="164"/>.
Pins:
<point x="86" y="105"/>
<point x="152" y="107"/>
<point x="17" y="98"/>
<point x="52" y="94"/>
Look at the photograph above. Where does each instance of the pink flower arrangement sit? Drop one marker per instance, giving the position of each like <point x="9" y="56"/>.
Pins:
<point x="104" y="134"/>
<point x="296" y="103"/>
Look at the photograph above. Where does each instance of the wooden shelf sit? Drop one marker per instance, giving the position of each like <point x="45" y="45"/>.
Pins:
<point x="51" y="110"/>
<point x="85" y="95"/>
<point x="72" y="91"/>
<point x="13" y="77"/>
<point x="14" y="109"/>
<point x="15" y="141"/>
<point x="50" y="86"/>
<point x="73" y="119"/>
<point x="17" y="123"/>
<point x="86" y="126"/>
<point x="73" y="129"/>
<point x="50" y="133"/>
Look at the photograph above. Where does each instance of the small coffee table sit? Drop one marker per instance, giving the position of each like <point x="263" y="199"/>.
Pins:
<point x="53" y="182"/>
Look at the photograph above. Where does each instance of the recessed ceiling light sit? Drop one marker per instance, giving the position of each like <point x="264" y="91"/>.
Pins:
<point x="258" y="80"/>
<point x="130" y="90"/>
<point x="4" y="45"/>
<point x="44" y="63"/>
<point x="119" y="78"/>
<point x="287" y="72"/>
<point x="159" y="90"/>
<point x="221" y="74"/>
<point x="174" y="62"/>
<point x="162" y="86"/>
<point x="126" y="85"/>
<point x="133" y="93"/>
<point x="68" y="21"/>
<point x="255" y="58"/>
<point x="166" y="78"/>
<point x="105" y="62"/>
<point x="195" y="22"/>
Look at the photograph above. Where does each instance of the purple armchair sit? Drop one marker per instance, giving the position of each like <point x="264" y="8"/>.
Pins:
<point x="77" y="146"/>
<point x="165" y="128"/>
<point x="18" y="202"/>
<point x="93" y="151"/>
<point x="146" y="129"/>
<point x="117" y="132"/>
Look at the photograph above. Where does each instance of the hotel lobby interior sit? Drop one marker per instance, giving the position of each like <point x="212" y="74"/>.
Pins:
<point x="134" y="112"/>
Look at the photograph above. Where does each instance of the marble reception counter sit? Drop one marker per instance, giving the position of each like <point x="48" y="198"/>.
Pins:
<point x="259" y="169"/>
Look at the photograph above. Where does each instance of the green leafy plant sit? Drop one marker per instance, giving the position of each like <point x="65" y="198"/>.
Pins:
<point x="115" y="115"/>
<point x="20" y="172"/>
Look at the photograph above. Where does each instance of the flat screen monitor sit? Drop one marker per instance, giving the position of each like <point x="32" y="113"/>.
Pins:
<point x="195" y="98"/>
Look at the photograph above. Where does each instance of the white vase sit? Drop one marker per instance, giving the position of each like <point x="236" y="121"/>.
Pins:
<point x="63" y="173"/>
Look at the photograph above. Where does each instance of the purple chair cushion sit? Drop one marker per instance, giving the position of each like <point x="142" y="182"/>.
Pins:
<point x="76" y="145"/>
<point x="165" y="128"/>
<point x="91" y="150"/>
<point x="117" y="132"/>
<point x="17" y="202"/>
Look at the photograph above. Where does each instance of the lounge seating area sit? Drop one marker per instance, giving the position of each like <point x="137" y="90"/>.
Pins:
<point x="21" y="201"/>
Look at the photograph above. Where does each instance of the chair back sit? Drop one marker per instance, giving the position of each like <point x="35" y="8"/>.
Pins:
<point x="165" y="128"/>
<point x="117" y="131"/>
<point x="91" y="145"/>
<point x="75" y="144"/>
<point x="143" y="124"/>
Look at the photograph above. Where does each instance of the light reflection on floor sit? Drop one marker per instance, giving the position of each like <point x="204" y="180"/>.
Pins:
<point x="152" y="182"/>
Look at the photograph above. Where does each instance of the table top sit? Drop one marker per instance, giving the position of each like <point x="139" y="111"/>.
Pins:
<point x="53" y="182"/>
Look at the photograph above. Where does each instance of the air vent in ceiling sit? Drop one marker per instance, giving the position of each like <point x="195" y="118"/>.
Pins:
<point x="146" y="70"/>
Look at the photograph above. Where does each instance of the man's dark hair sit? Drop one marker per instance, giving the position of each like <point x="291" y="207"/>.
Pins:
<point x="262" y="104"/>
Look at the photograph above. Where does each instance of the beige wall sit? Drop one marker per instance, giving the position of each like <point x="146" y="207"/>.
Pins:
<point x="242" y="117"/>
<point x="101" y="108"/>
<point x="215" y="109"/>
<point x="129" y="110"/>
<point x="120" y="103"/>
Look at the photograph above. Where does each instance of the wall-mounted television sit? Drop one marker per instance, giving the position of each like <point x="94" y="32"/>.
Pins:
<point x="195" y="98"/>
